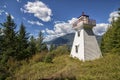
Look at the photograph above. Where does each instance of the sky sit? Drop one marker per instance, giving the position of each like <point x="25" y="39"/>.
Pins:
<point x="55" y="17"/>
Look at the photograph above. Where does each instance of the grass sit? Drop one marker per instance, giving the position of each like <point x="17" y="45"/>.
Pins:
<point x="66" y="68"/>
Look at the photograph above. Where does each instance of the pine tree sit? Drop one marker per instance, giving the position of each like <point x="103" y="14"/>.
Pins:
<point x="111" y="39"/>
<point x="22" y="43"/>
<point x="1" y="44"/>
<point x="32" y="46"/>
<point x="39" y="41"/>
<point x="9" y="39"/>
<point x="52" y="47"/>
<point x="0" y="39"/>
<point x="41" y="46"/>
<point x="0" y="31"/>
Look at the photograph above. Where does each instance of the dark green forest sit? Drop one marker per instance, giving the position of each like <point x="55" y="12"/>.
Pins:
<point x="17" y="45"/>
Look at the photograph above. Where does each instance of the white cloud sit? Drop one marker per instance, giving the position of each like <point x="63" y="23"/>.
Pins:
<point x="31" y="34"/>
<point x="50" y="32"/>
<point x="100" y="28"/>
<point x="18" y="0"/>
<point x="1" y="11"/>
<point x="23" y="18"/>
<point x="43" y="31"/>
<point x="21" y="9"/>
<point x="39" y="9"/>
<point x="56" y="22"/>
<point x="60" y="28"/>
<point x="35" y="23"/>
<point x="72" y="20"/>
<point x="6" y="13"/>
<point x="114" y="15"/>
<point x="5" y="6"/>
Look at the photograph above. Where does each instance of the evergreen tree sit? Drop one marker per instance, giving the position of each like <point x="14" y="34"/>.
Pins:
<point x="32" y="46"/>
<point x="22" y="43"/>
<point x="0" y="39"/>
<point x="52" y="47"/>
<point x="0" y="44"/>
<point x="111" y="39"/>
<point x="40" y="44"/>
<point x="39" y="41"/>
<point x="9" y="39"/>
<point x="0" y="31"/>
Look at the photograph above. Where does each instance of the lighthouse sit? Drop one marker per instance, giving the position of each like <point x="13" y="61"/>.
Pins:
<point x="85" y="46"/>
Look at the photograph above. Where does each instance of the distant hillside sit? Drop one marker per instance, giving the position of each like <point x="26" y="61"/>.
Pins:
<point x="68" y="40"/>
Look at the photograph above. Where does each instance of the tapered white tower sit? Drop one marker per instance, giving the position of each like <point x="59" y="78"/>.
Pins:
<point x="85" y="46"/>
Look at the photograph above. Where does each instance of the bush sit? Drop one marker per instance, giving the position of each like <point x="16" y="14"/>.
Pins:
<point x="61" y="50"/>
<point x="3" y="72"/>
<point x="39" y="57"/>
<point x="116" y="51"/>
<point x="48" y="58"/>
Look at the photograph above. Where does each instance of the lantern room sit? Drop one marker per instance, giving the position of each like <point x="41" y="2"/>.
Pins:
<point x="83" y="21"/>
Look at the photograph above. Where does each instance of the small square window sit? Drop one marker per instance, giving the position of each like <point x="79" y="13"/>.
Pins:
<point x="78" y="33"/>
<point x="76" y="49"/>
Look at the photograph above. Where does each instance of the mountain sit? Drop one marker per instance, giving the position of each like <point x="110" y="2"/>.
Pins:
<point x="68" y="40"/>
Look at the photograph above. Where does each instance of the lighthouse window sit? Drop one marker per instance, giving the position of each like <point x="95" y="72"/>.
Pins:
<point x="76" y="49"/>
<point x="78" y="33"/>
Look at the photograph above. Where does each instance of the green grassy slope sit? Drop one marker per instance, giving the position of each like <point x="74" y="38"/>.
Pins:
<point x="66" y="68"/>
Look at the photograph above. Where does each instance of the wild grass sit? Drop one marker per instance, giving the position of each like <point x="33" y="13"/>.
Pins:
<point x="64" y="67"/>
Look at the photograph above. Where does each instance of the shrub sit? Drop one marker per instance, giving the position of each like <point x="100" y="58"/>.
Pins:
<point x="48" y="58"/>
<point x="38" y="57"/>
<point x="61" y="50"/>
<point x="3" y="72"/>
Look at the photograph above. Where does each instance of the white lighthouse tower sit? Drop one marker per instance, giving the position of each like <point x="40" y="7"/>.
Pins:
<point x="85" y="46"/>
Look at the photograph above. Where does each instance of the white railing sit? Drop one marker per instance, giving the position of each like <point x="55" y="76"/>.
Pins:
<point x="89" y="22"/>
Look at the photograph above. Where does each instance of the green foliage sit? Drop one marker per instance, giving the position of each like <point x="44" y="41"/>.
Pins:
<point x="66" y="68"/>
<point x="15" y="46"/>
<point x="49" y="57"/>
<point x="22" y="44"/>
<point x="61" y="50"/>
<point x="3" y="72"/>
<point x="1" y="45"/>
<point x="38" y="57"/>
<point x="9" y="39"/>
<point x="32" y="46"/>
<point x="111" y="39"/>
<point x="41" y="46"/>
<point x="52" y="47"/>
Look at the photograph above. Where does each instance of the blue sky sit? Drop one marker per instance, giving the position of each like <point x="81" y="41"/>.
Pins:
<point x="53" y="17"/>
